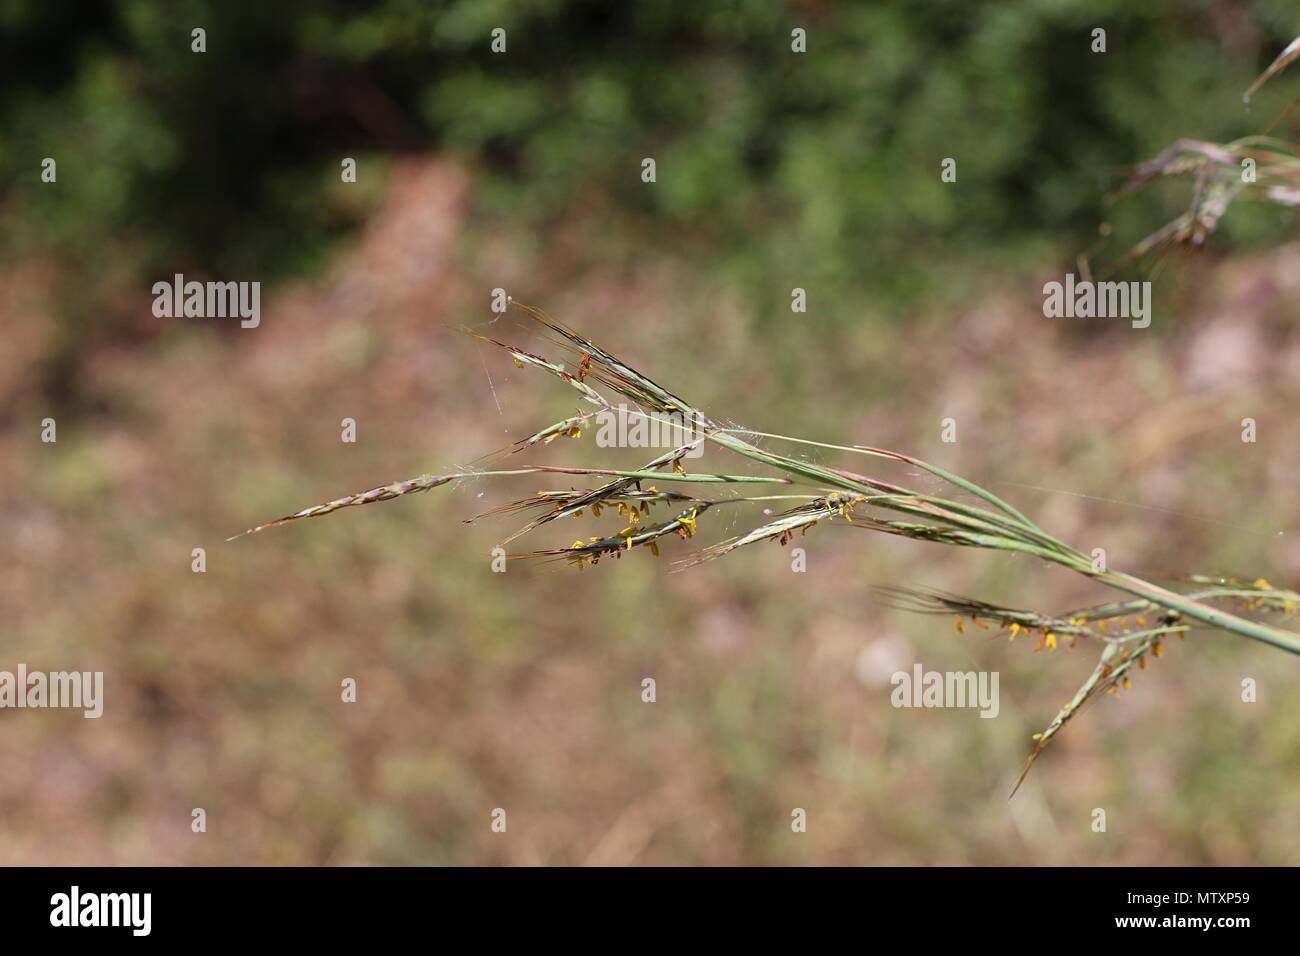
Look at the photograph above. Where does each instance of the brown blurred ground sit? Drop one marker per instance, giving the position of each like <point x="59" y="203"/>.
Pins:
<point x="522" y="690"/>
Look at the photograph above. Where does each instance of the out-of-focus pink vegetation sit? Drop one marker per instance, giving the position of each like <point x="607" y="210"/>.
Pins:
<point x="522" y="691"/>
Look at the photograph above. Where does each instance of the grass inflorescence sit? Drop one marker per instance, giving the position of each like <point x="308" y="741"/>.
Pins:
<point x="1127" y="633"/>
<point x="1262" y="167"/>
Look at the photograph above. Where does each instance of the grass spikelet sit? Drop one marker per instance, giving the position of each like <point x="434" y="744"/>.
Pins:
<point x="1216" y="173"/>
<point x="579" y="553"/>
<point x="383" y="493"/>
<point x="784" y="525"/>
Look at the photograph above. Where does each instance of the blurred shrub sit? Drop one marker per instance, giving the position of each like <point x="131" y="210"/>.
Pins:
<point x="771" y="165"/>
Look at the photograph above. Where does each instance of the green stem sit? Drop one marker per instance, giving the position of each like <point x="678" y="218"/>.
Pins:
<point x="1194" y="609"/>
<point x="649" y="475"/>
<point x="1065" y="556"/>
<point x="935" y="470"/>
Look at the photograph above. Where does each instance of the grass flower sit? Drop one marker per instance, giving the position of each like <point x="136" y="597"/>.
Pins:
<point x="1219" y="178"/>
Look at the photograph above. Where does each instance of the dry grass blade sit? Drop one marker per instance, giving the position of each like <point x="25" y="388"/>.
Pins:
<point x="1284" y="59"/>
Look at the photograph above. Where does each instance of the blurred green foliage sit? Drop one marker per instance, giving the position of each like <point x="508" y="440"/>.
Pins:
<point x="781" y="169"/>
